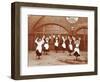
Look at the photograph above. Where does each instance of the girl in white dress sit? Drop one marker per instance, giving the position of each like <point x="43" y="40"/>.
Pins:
<point x="70" y="45"/>
<point x="76" y="49"/>
<point x="46" y="45"/>
<point x="56" y="44"/>
<point x="63" y="43"/>
<point x="39" y="42"/>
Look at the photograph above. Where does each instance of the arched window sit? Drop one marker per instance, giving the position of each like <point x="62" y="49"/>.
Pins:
<point x="83" y="33"/>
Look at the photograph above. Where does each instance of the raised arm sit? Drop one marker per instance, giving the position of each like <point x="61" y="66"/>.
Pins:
<point x="43" y="37"/>
<point x="79" y="40"/>
<point x="36" y="40"/>
<point x="49" y="36"/>
<point x="63" y="38"/>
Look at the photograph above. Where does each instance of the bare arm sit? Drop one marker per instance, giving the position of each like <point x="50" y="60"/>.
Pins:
<point x="43" y="38"/>
<point x="36" y="40"/>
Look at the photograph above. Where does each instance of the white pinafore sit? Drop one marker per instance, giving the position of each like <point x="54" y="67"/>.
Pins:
<point x="70" y="45"/>
<point x="76" y="49"/>
<point x="39" y="45"/>
<point x="46" y="45"/>
<point x="63" y="44"/>
<point x="56" y="43"/>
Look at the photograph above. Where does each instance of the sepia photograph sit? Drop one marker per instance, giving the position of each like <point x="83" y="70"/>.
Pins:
<point x="57" y="40"/>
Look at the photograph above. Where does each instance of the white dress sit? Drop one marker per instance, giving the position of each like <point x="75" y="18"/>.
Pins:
<point x="46" y="45"/>
<point x="70" y="46"/>
<point x="63" y="45"/>
<point x="39" y="45"/>
<point x="56" y="43"/>
<point x="76" y="49"/>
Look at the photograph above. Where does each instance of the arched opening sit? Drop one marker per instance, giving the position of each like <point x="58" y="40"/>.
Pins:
<point x="82" y="32"/>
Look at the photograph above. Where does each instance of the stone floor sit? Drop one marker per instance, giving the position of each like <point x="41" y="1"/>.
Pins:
<point x="53" y="58"/>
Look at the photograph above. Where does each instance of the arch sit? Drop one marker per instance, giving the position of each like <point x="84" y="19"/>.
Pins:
<point x="84" y="39"/>
<point x="52" y="24"/>
<point x="84" y="27"/>
<point x="38" y="21"/>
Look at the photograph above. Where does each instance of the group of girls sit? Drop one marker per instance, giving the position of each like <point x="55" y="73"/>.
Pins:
<point x="67" y="43"/>
<point x="42" y="44"/>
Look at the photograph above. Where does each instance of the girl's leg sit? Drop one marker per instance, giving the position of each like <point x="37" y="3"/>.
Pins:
<point x="39" y="56"/>
<point x="76" y="58"/>
<point x="46" y="52"/>
<point x="69" y="53"/>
